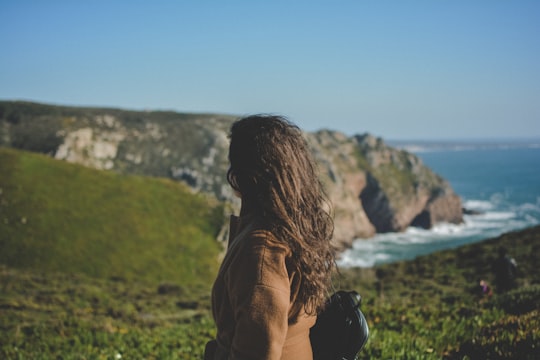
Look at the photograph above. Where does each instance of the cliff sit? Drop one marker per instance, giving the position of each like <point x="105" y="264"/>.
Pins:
<point x="376" y="188"/>
<point x="373" y="187"/>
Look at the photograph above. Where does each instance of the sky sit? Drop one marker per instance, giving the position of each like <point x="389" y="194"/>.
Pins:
<point x="403" y="69"/>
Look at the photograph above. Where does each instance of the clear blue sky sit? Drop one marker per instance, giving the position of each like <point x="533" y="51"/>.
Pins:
<point x="397" y="69"/>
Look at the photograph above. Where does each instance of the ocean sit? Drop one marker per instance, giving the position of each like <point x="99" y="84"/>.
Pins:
<point x="500" y="180"/>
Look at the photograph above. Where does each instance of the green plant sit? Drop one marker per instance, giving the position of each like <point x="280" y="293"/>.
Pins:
<point x="63" y="217"/>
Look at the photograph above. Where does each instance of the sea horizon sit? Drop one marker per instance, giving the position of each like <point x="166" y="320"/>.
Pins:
<point x="424" y="145"/>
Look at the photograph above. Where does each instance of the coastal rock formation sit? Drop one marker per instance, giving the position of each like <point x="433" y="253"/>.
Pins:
<point x="394" y="188"/>
<point x="439" y="209"/>
<point x="344" y="181"/>
<point x="372" y="187"/>
<point x="400" y="189"/>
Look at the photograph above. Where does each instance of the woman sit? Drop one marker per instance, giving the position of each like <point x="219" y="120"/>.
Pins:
<point x="275" y="275"/>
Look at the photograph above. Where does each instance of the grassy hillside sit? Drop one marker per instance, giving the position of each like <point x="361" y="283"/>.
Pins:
<point x="152" y="143"/>
<point x="422" y="309"/>
<point x="56" y="216"/>
<point x="430" y="307"/>
<point x="96" y="265"/>
<point x="61" y="316"/>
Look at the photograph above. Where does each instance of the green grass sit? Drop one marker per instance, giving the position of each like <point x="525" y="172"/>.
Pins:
<point x="56" y="216"/>
<point x="421" y="309"/>
<point x="60" y="316"/>
<point x="429" y="308"/>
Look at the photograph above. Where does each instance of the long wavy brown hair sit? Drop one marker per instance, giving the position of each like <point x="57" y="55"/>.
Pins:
<point x="273" y="169"/>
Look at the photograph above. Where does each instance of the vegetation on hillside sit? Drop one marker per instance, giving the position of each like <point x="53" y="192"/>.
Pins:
<point x="423" y="309"/>
<point x="431" y="307"/>
<point x="56" y="216"/>
<point x="151" y="143"/>
<point x="67" y="316"/>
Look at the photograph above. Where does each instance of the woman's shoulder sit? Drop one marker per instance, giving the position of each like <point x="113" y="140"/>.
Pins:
<point x="261" y="242"/>
<point x="255" y="233"/>
<point x="262" y="258"/>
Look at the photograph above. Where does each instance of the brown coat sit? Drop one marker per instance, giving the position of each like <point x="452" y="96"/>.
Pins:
<point x="252" y="299"/>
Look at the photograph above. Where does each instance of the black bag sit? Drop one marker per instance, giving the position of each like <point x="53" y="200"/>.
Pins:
<point x="341" y="329"/>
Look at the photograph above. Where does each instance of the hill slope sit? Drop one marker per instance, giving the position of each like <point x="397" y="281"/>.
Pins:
<point x="422" y="309"/>
<point x="56" y="216"/>
<point x="431" y="307"/>
<point x="374" y="188"/>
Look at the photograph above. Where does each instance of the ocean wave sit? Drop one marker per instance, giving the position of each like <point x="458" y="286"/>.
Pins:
<point x="495" y="215"/>
<point x="478" y="205"/>
<point x="529" y="207"/>
<point x="445" y="229"/>
<point x="492" y="222"/>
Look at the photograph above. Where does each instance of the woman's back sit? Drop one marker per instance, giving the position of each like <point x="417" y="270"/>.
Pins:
<point x="274" y="277"/>
<point x="252" y="298"/>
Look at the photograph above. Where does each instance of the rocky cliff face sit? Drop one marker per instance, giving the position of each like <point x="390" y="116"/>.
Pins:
<point x="373" y="187"/>
<point x="376" y="188"/>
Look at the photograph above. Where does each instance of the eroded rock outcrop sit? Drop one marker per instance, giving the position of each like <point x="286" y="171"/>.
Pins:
<point x="376" y="188"/>
<point x="401" y="191"/>
<point x="336" y="155"/>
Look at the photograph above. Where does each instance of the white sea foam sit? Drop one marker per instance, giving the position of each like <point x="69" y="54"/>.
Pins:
<point x="448" y="229"/>
<point x="530" y="207"/>
<point x="497" y="215"/>
<point x="478" y="205"/>
<point x="492" y="222"/>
